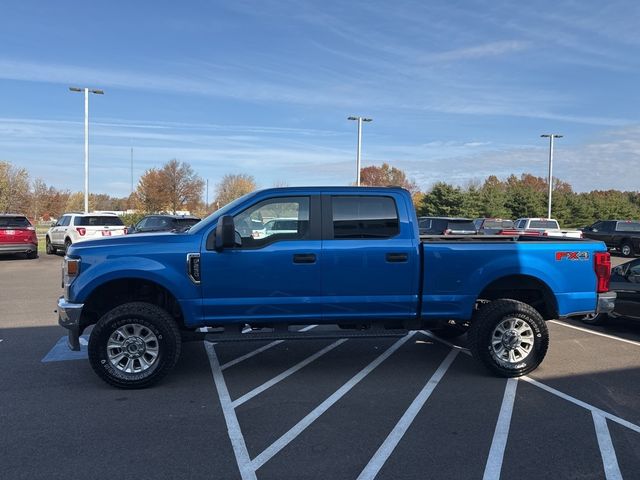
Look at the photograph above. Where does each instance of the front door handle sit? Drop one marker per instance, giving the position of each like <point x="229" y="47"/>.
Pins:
<point x="304" y="258"/>
<point x="397" y="257"/>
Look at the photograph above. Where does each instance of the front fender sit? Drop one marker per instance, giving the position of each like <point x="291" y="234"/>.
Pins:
<point x="171" y="275"/>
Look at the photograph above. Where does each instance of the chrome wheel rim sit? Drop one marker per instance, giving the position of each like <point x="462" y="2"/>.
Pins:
<point x="132" y="348"/>
<point x="626" y="250"/>
<point x="512" y="340"/>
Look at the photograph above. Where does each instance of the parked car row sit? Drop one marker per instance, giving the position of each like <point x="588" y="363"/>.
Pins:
<point x="18" y="235"/>
<point x="76" y="227"/>
<point x="544" y="227"/>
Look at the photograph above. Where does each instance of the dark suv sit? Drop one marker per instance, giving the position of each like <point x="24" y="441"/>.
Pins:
<point x="623" y="235"/>
<point x="446" y="226"/>
<point x="164" y="223"/>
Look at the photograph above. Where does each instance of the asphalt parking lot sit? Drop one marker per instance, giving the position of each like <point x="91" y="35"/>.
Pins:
<point x="396" y="408"/>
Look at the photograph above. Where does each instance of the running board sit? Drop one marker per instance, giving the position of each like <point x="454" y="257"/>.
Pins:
<point x="254" y="335"/>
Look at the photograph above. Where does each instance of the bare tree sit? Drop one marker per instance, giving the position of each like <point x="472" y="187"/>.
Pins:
<point x="234" y="186"/>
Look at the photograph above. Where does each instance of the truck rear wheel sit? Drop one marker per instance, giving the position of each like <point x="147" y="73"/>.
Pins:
<point x="134" y="345"/>
<point x="509" y="337"/>
<point x="626" y="249"/>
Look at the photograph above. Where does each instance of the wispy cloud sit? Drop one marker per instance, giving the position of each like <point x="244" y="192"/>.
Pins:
<point x="492" y="49"/>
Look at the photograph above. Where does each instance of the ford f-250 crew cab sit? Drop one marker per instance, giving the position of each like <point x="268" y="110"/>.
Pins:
<point x="354" y="258"/>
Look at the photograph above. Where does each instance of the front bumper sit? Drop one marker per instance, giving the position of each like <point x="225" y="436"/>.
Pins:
<point x="69" y="318"/>
<point x="606" y="302"/>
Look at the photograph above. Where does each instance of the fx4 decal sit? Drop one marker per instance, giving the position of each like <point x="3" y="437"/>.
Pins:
<point x="571" y="256"/>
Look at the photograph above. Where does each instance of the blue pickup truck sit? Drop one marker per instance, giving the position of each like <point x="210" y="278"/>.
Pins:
<point x="351" y="257"/>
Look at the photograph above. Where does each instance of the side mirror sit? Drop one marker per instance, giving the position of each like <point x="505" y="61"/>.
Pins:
<point x="225" y="233"/>
<point x="618" y="270"/>
<point x="54" y="224"/>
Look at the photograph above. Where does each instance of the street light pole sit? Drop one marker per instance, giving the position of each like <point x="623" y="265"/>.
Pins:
<point x="359" y="148"/>
<point x="550" y="136"/>
<point x="86" y="139"/>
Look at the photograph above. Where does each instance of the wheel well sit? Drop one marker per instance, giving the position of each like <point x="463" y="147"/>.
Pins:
<point x="525" y="289"/>
<point x="117" y="292"/>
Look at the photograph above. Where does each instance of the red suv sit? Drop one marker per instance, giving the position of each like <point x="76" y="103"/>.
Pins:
<point x="17" y="235"/>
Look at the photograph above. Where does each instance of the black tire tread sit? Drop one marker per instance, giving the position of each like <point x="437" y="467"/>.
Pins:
<point x="135" y="309"/>
<point x="483" y="321"/>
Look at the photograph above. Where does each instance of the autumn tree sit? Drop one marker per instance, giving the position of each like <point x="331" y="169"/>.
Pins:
<point x="182" y="186"/>
<point x="386" y="176"/>
<point x="150" y="193"/>
<point x="234" y="186"/>
<point x="14" y="189"/>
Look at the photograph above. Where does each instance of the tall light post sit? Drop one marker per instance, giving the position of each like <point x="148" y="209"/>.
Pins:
<point x="87" y="91"/>
<point x="359" y="151"/>
<point x="550" y="136"/>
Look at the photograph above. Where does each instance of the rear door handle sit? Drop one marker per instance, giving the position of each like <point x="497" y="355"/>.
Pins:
<point x="304" y="258"/>
<point x="397" y="257"/>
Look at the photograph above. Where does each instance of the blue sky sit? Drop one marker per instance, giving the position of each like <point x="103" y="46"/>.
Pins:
<point x="458" y="90"/>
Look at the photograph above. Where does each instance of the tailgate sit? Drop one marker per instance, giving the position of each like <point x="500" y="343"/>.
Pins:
<point x="18" y="235"/>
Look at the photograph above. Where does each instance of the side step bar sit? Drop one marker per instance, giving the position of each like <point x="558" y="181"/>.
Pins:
<point x="283" y="334"/>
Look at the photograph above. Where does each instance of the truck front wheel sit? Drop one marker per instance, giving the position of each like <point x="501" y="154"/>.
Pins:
<point x="134" y="345"/>
<point x="509" y="337"/>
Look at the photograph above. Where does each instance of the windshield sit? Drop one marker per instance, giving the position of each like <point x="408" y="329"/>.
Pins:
<point x="543" y="224"/>
<point x="204" y="223"/>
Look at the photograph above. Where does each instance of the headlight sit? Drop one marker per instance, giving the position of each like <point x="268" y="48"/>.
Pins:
<point x="70" y="270"/>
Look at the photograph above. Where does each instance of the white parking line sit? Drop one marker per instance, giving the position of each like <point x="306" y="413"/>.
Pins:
<point x="296" y="430"/>
<point x="582" y="404"/>
<point x="553" y="391"/>
<point x="251" y="354"/>
<point x="261" y="349"/>
<point x="612" y="337"/>
<point x="258" y="390"/>
<point x="499" y="443"/>
<point x="391" y="442"/>
<point x="608" y="453"/>
<point x="233" y="427"/>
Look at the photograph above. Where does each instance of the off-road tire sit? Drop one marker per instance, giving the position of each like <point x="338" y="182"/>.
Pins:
<point x="50" y="249"/>
<point x="483" y="327"/>
<point x="595" y="319"/>
<point x="149" y="316"/>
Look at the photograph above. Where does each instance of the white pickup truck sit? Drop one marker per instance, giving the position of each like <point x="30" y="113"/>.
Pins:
<point x="545" y="227"/>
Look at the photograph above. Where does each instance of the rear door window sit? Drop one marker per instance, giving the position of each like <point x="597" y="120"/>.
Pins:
<point x="364" y="217"/>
